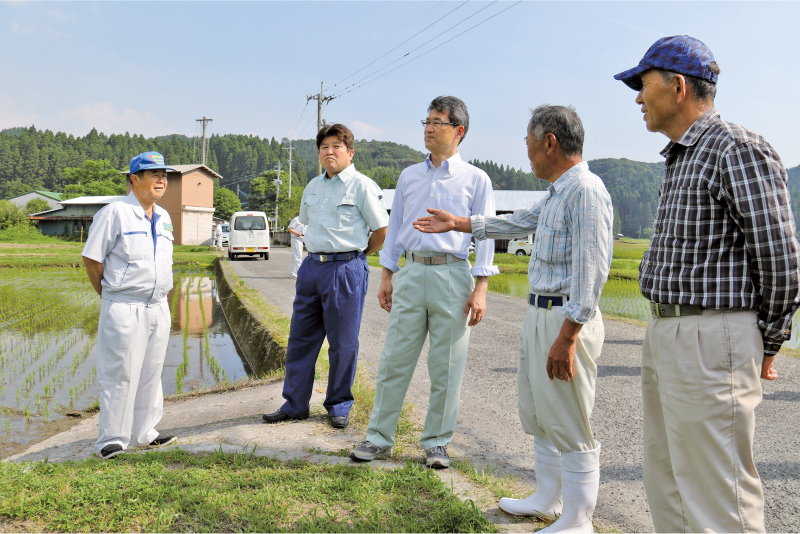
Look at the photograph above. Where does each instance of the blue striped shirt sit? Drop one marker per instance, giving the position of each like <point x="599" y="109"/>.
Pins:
<point x="575" y="216"/>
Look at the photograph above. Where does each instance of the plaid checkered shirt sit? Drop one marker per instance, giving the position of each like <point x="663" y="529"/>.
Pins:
<point x="723" y="236"/>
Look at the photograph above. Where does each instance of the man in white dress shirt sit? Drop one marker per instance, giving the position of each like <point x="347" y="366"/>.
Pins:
<point x="297" y="230"/>
<point x="434" y="293"/>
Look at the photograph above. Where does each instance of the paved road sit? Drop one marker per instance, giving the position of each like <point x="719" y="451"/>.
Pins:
<point x="489" y="432"/>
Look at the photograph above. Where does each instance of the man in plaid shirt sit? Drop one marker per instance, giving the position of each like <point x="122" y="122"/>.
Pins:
<point x="722" y="277"/>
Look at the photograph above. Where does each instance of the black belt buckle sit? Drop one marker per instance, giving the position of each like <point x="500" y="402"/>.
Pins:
<point x="541" y="301"/>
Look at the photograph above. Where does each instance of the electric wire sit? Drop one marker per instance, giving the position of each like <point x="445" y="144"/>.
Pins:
<point x="344" y="92"/>
<point x="439" y="36"/>
<point x="401" y="44"/>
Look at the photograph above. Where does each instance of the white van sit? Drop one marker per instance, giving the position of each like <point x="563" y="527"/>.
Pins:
<point x="521" y="247"/>
<point x="248" y="235"/>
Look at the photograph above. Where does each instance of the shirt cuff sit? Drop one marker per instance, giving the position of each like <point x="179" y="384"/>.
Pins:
<point x="478" y="227"/>
<point x="573" y="312"/>
<point x="490" y="270"/>
<point x="771" y="349"/>
<point x="385" y="261"/>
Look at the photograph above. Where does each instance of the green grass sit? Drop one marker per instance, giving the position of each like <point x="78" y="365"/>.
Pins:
<point x="175" y="491"/>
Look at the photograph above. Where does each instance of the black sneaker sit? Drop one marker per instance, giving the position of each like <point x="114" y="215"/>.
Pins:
<point x="161" y="440"/>
<point x="109" y="451"/>
<point x="437" y="458"/>
<point x="368" y="451"/>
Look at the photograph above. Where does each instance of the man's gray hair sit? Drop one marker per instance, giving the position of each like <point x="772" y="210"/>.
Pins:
<point x="703" y="90"/>
<point x="561" y="121"/>
<point x="456" y="110"/>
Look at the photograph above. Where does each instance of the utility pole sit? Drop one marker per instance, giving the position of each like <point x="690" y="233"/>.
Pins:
<point x="204" y="120"/>
<point x="320" y="99"/>
<point x="277" y="195"/>
<point x="290" y="167"/>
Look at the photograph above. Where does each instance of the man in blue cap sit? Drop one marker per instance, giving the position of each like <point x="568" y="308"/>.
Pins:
<point x="722" y="277"/>
<point x="128" y="258"/>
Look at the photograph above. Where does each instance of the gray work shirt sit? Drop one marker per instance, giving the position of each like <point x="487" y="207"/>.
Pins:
<point x="339" y="212"/>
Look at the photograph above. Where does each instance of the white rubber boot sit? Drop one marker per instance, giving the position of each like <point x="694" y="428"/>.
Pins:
<point x="545" y="503"/>
<point x="581" y="479"/>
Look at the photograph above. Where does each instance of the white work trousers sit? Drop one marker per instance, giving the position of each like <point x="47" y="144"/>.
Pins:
<point x="131" y="347"/>
<point x="700" y="388"/>
<point x="297" y="256"/>
<point x="556" y="409"/>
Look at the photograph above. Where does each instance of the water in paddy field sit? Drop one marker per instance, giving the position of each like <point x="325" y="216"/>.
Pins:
<point x="622" y="298"/>
<point x="48" y="326"/>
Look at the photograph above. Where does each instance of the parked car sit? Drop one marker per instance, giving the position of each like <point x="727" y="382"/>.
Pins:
<point x="226" y="230"/>
<point x="521" y="247"/>
<point x="248" y="235"/>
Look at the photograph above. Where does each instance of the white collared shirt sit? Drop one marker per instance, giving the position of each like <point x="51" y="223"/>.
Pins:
<point x="456" y="186"/>
<point x="136" y="252"/>
<point x="297" y="226"/>
<point x="340" y="211"/>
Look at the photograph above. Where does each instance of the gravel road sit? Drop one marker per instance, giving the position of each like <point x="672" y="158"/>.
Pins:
<point x="489" y="433"/>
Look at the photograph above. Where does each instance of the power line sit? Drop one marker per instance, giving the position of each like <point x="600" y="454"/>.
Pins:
<point x="381" y="43"/>
<point x="401" y="44"/>
<point x="439" y="36"/>
<point x="422" y="54"/>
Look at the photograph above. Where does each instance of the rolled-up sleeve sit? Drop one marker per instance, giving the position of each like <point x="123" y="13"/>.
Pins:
<point x="483" y="204"/>
<point x="390" y="253"/>
<point x="590" y="218"/>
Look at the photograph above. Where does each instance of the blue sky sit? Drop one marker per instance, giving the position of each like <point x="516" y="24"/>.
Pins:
<point x="155" y="67"/>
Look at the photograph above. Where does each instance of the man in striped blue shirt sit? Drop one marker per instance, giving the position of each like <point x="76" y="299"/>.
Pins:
<point x="563" y="332"/>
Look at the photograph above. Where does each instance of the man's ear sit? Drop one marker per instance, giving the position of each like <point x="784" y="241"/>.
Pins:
<point x="681" y="87"/>
<point x="550" y="142"/>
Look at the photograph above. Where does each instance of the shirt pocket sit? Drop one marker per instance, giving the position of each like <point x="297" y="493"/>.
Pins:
<point x="346" y="212"/>
<point x="456" y="204"/>
<point x="552" y="244"/>
<point x="136" y="245"/>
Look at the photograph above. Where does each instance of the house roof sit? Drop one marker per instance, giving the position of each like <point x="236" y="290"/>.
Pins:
<point x="504" y="200"/>
<point x="50" y="194"/>
<point x="93" y="200"/>
<point x="183" y="169"/>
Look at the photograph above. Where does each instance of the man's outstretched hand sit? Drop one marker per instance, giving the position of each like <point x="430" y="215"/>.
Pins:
<point x="438" y="222"/>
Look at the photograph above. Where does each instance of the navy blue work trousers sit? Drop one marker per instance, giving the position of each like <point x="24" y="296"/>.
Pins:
<point x="329" y="300"/>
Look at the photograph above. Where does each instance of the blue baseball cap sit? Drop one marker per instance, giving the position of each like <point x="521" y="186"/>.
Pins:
<point x="679" y="53"/>
<point x="148" y="161"/>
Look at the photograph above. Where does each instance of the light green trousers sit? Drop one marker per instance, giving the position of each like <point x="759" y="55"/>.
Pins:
<point x="426" y="299"/>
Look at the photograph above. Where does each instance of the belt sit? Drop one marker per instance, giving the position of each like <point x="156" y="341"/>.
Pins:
<point x="335" y="256"/>
<point x="674" y="310"/>
<point x="546" y="301"/>
<point x="439" y="258"/>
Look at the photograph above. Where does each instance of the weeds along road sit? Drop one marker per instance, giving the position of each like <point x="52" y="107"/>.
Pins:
<point x="489" y="433"/>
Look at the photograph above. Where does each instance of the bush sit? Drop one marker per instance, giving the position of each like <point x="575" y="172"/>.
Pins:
<point x="12" y="215"/>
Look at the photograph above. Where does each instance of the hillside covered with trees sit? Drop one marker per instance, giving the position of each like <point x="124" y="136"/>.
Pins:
<point x="32" y="159"/>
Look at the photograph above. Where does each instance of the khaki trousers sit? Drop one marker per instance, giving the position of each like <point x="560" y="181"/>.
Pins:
<point x="426" y="299"/>
<point x="700" y="388"/>
<point x="558" y="410"/>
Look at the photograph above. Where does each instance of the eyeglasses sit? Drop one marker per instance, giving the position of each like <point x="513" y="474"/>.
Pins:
<point x="436" y="123"/>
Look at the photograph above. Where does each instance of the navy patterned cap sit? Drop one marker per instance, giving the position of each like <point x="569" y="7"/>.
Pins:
<point x="679" y="53"/>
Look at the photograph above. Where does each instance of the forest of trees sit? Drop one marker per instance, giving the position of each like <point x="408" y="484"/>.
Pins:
<point x="32" y="159"/>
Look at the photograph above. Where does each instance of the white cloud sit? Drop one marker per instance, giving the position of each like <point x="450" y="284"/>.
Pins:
<point x="362" y="130"/>
<point x="106" y="118"/>
<point x="11" y="116"/>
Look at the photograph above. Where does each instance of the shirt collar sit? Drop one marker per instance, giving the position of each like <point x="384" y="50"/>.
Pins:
<point x="138" y="210"/>
<point x="567" y="177"/>
<point x="449" y="164"/>
<point x="346" y="175"/>
<point x="691" y="136"/>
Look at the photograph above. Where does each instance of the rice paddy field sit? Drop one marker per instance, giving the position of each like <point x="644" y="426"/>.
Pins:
<point x="48" y="328"/>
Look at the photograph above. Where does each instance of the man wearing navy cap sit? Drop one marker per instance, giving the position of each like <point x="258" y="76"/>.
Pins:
<point x="128" y="258"/>
<point x="722" y="277"/>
